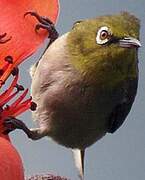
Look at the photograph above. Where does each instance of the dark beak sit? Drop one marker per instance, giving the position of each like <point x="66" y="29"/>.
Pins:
<point x="129" y="42"/>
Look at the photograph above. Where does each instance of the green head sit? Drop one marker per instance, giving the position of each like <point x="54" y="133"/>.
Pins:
<point x="105" y="47"/>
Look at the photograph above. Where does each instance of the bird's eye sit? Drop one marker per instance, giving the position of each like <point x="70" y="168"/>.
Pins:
<point x="103" y="35"/>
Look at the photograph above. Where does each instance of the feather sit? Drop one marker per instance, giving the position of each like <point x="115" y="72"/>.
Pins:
<point x="79" y="161"/>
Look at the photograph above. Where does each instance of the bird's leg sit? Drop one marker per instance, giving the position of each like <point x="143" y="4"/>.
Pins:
<point x="12" y="123"/>
<point x="44" y="23"/>
<point x="2" y="40"/>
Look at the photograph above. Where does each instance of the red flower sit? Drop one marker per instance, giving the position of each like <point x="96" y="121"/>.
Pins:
<point x="18" y="106"/>
<point x="24" y="41"/>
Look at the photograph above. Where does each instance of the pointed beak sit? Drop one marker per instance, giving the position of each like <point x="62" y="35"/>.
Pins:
<point x="129" y="42"/>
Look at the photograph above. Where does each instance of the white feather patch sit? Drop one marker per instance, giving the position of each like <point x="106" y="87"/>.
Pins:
<point x="32" y="70"/>
<point x="78" y="162"/>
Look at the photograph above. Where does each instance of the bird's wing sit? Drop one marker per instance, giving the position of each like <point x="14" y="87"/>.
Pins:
<point x="120" y="112"/>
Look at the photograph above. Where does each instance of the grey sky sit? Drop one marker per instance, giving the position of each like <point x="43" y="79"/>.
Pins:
<point x="115" y="157"/>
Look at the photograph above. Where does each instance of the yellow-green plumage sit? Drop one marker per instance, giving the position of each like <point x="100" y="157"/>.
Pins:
<point x="109" y="61"/>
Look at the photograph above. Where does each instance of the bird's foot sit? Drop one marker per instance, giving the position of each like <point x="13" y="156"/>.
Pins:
<point x="12" y="124"/>
<point x="3" y="39"/>
<point x="44" y="23"/>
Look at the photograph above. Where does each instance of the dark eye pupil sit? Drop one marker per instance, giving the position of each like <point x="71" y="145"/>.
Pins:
<point x="104" y="34"/>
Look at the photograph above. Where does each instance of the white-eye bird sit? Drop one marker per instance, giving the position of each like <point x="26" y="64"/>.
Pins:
<point x="86" y="82"/>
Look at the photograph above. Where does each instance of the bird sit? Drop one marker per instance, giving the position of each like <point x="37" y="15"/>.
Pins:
<point x="85" y="83"/>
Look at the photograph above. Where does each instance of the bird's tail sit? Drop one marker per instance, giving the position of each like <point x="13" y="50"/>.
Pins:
<point x="79" y="161"/>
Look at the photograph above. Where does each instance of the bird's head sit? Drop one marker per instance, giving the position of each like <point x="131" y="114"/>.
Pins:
<point x="107" y="43"/>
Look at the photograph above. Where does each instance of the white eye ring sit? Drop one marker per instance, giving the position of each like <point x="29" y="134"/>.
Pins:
<point x="103" y="35"/>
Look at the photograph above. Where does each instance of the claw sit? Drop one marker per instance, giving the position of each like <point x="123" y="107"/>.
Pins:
<point x="44" y="23"/>
<point x="12" y="123"/>
<point x="37" y="27"/>
<point x="8" y="125"/>
<point x="2" y="41"/>
<point x="43" y="26"/>
<point x="41" y="19"/>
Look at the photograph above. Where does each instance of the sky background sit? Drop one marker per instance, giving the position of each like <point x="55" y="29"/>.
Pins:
<point x="114" y="157"/>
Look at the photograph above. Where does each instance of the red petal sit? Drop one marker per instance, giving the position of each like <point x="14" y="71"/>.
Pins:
<point x="18" y="108"/>
<point x="24" y="40"/>
<point x="8" y="99"/>
<point x="11" y="167"/>
<point x="22" y="96"/>
<point x="22" y="107"/>
<point x="5" y="94"/>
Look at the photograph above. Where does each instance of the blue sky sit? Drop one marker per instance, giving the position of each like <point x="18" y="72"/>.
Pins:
<point x="115" y="157"/>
